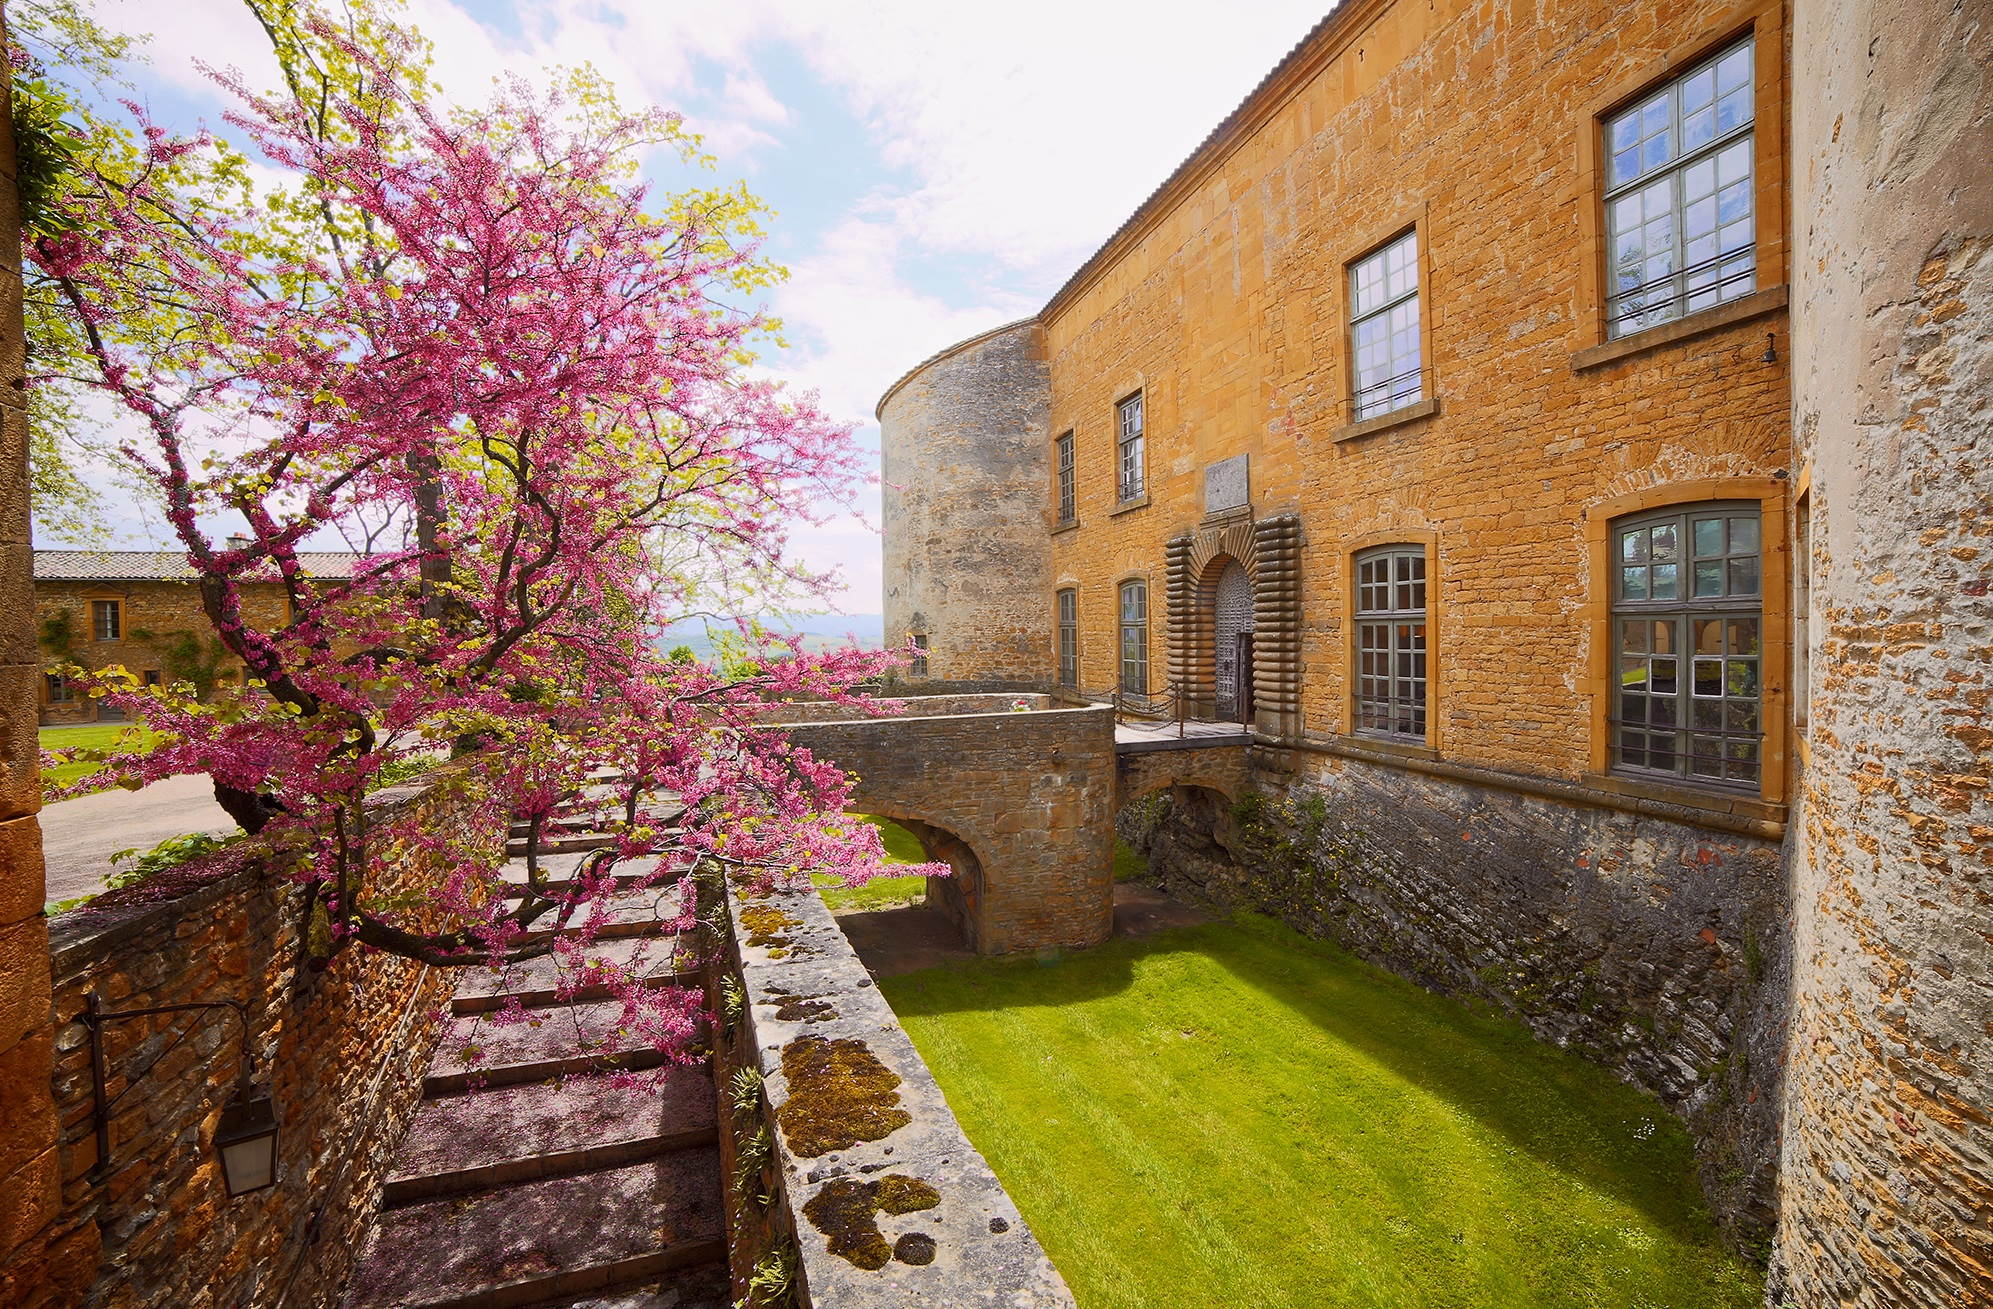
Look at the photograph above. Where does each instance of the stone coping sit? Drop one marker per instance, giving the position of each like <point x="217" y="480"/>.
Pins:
<point x="998" y="706"/>
<point x="978" y="1250"/>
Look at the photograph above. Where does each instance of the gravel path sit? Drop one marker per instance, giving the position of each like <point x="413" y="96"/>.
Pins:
<point x="79" y="836"/>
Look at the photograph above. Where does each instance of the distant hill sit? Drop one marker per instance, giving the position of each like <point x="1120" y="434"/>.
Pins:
<point x="819" y="631"/>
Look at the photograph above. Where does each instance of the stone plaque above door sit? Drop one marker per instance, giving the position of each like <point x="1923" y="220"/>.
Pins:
<point x="1225" y="485"/>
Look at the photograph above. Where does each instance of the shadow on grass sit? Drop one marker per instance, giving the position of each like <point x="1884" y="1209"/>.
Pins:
<point x="1572" y="1115"/>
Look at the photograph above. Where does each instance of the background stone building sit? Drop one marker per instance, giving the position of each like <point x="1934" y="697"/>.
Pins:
<point x="140" y="610"/>
<point x="1436" y="419"/>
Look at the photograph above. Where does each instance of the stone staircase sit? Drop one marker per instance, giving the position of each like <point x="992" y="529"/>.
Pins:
<point x="548" y="1187"/>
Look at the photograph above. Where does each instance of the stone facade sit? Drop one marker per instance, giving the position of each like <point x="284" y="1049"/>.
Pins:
<point x="1888" y="1179"/>
<point x="342" y="1048"/>
<point x="160" y="623"/>
<point x="1504" y="851"/>
<point x="30" y="1168"/>
<point x="963" y="469"/>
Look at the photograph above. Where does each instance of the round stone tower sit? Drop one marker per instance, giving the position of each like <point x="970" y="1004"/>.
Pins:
<point x="966" y="479"/>
<point x="1887" y="1185"/>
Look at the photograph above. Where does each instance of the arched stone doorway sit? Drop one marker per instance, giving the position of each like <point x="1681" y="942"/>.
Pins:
<point x="1267" y="554"/>
<point x="959" y="896"/>
<point x="1232" y="641"/>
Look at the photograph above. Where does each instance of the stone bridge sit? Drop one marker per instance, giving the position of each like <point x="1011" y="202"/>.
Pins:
<point x="1019" y="804"/>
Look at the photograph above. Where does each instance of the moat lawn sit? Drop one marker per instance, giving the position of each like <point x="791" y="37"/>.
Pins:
<point x="91" y="735"/>
<point x="1233" y="1115"/>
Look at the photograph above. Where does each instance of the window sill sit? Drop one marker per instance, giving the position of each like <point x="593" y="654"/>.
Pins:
<point x="1392" y="745"/>
<point x="1129" y="506"/>
<point x="1755" y="305"/>
<point x="1689" y="796"/>
<point x="1058" y="528"/>
<point x="1226" y="516"/>
<point x="1411" y="413"/>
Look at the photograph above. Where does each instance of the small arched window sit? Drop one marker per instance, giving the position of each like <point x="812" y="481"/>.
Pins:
<point x="1135" y="637"/>
<point x="1391" y="642"/>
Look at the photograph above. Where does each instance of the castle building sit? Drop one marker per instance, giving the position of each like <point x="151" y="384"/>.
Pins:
<point x="141" y="610"/>
<point x="1493" y="416"/>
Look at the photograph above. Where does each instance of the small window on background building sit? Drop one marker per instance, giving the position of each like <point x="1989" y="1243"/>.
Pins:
<point x="152" y="677"/>
<point x="919" y="668"/>
<point x="1680" y="222"/>
<point x="1391" y="642"/>
<point x="1135" y="637"/>
<point x="1068" y="492"/>
<point x="1131" y="461"/>
<point x="59" y="689"/>
<point x="1687" y="620"/>
<point x="1384" y="329"/>
<point x="1069" y="638"/>
<point x="106" y="623"/>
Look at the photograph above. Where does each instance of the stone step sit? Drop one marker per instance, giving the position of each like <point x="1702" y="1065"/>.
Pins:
<point x="472" y="1142"/>
<point x="561" y="1237"/>
<point x="634" y="913"/>
<point x="562" y="843"/>
<point x="552" y="1045"/>
<point x="535" y="981"/>
<point x="704" y="1287"/>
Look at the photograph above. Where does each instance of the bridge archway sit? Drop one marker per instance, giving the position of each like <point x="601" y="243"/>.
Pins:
<point x="958" y="896"/>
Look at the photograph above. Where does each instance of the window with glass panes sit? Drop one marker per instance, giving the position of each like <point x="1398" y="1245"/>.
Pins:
<point x="1135" y="637"/>
<point x="105" y="620"/>
<point x="1391" y="642"/>
<point x="919" y="668"/>
<point x="1128" y="415"/>
<point x="60" y="689"/>
<point x="1688" y="631"/>
<point x="1068" y="496"/>
<point x="1069" y="638"/>
<point x="1680" y="213"/>
<point x="1384" y="328"/>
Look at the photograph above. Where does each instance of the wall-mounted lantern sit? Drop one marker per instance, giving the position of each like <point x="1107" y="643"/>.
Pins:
<point x="246" y="1138"/>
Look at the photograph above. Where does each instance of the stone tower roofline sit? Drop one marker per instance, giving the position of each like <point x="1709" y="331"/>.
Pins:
<point x="879" y="410"/>
<point x="1346" y="21"/>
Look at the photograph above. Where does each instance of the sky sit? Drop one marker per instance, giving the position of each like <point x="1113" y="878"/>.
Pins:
<point x="936" y="168"/>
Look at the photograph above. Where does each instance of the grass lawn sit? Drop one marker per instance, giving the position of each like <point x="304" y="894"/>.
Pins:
<point x="902" y="847"/>
<point x="1234" y="1115"/>
<point x="92" y="735"/>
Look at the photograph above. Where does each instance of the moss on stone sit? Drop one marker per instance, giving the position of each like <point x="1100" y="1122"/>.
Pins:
<point x="839" y="1094"/>
<point x="802" y="1008"/>
<point x="765" y="925"/>
<point x="843" y="1211"/>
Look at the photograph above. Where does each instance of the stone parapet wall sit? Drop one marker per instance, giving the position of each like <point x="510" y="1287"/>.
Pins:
<point x="915" y="706"/>
<point x="845" y="1165"/>
<point x="343" y="1050"/>
<point x="1656" y="949"/>
<point x="1021" y="804"/>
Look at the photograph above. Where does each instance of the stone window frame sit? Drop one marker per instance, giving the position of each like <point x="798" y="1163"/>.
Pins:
<point x="917" y="667"/>
<point x="1127" y="490"/>
<point x="1122" y="628"/>
<point x="99" y="607"/>
<point x="1403" y="538"/>
<point x="1660" y="635"/>
<point x="1389" y="622"/>
<point x="1413" y="221"/>
<point x="1065" y="478"/>
<point x="1067" y="634"/>
<point x="58" y="689"/>
<point x="1764" y="22"/>
<point x="1772" y="496"/>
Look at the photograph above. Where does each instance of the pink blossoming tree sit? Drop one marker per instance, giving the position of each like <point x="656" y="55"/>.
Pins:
<point x="509" y="377"/>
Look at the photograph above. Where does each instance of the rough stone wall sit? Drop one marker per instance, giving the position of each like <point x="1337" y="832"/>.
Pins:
<point x="963" y="463"/>
<point x="919" y="706"/>
<point x="1655" y="948"/>
<point x="343" y="1050"/>
<point x="1888" y="1186"/>
<point x="30" y="1181"/>
<point x="1028" y="797"/>
<point x="164" y="610"/>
